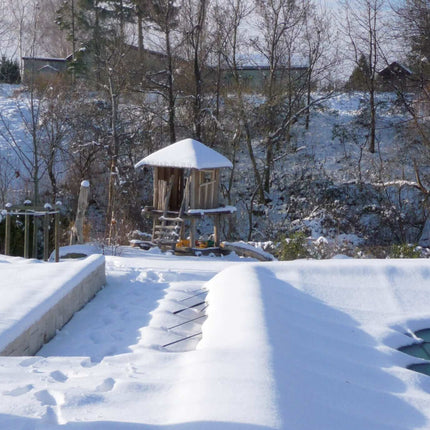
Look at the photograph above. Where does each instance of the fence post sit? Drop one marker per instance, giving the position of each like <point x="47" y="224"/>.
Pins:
<point x="57" y="231"/>
<point x="35" y="231"/>
<point x="7" y="230"/>
<point x="26" y="234"/>
<point x="47" y="208"/>
<point x="26" y="230"/>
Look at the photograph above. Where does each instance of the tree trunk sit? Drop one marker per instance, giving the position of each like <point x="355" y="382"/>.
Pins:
<point x="171" y="96"/>
<point x="114" y="152"/>
<point x="372" y="130"/>
<point x="140" y="33"/>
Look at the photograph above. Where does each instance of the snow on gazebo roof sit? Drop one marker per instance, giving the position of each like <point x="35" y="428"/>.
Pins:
<point x="186" y="154"/>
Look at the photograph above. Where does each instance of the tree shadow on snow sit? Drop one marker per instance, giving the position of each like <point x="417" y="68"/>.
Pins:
<point x="328" y="372"/>
<point x="23" y="423"/>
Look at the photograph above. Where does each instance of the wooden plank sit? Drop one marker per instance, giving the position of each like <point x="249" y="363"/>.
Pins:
<point x="194" y="189"/>
<point x="7" y="233"/>
<point x="217" y="230"/>
<point x="246" y="252"/>
<point x="192" y="232"/>
<point x="26" y="235"/>
<point x="46" y="237"/>
<point x="215" y="202"/>
<point x="167" y="227"/>
<point x="156" y="191"/>
<point x="57" y="236"/>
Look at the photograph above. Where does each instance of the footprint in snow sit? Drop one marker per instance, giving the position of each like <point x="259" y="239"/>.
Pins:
<point x="46" y="398"/>
<point x="53" y="402"/>
<point x="106" y="385"/>
<point x="148" y="275"/>
<point x="58" y="376"/>
<point x="87" y="362"/>
<point x="50" y="417"/>
<point x="29" y="361"/>
<point x="19" y="391"/>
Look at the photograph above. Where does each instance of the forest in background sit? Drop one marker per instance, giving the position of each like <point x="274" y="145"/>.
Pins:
<point x="143" y="74"/>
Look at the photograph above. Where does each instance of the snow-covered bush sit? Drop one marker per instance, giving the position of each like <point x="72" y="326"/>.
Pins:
<point x="293" y="247"/>
<point x="405" y="250"/>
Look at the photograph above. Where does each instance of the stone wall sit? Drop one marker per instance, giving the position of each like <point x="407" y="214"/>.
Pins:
<point x="40" y="332"/>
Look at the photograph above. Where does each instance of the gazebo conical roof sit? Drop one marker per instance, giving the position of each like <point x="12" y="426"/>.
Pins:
<point x="186" y="154"/>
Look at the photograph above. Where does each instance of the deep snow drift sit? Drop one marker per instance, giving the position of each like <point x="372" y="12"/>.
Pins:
<point x="298" y="345"/>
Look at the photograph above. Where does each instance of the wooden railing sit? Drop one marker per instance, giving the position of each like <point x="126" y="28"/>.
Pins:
<point x="33" y="213"/>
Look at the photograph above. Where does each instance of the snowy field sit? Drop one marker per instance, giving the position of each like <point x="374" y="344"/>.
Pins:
<point x="304" y="345"/>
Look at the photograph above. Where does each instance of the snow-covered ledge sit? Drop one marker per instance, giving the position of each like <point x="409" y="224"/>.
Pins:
<point x="44" y="299"/>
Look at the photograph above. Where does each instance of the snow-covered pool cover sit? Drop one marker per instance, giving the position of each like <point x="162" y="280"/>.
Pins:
<point x="311" y="345"/>
<point x="186" y="154"/>
<point x="29" y="288"/>
<point x="305" y="345"/>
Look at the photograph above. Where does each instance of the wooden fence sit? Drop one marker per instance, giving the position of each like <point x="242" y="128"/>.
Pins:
<point x="32" y="214"/>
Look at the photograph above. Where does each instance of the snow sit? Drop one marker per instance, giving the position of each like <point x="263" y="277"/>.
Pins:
<point x="223" y="209"/>
<point x="284" y="345"/>
<point x="32" y="295"/>
<point x="254" y="249"/>
<point x="186" y="154"/>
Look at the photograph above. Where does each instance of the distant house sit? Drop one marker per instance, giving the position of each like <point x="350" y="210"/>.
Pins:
<point x="43" y="66"/>
<point x="395" y="70"/>
<point x="395" y="75"/>
<point x="254" y="77"/>
<point x="39" y="67"/>
<point x="151" y="65"/>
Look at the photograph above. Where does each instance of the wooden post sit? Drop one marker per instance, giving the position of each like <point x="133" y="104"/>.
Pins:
<point x="216" y="230"/>
<point x="77" y="235"/>
<point x="35" y="228"/>
<point x="57" y="231"/>
<point x="46" y="236"/>
<point x="155" y="200"/>
<point x="26" y="234"/>
<point x="192" y="232"/>
<point x="7" y="231"/>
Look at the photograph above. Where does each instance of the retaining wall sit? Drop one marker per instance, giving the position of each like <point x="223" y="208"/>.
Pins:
<point x="69" y="299"/>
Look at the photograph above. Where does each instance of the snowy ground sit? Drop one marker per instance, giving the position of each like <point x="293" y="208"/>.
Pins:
<point x="300" y="345"/>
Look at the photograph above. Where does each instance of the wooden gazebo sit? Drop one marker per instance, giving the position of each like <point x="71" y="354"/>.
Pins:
<point x="186" y="188"/>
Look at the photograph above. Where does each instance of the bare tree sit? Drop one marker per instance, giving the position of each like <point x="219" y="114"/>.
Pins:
<point x="19" y="13"/>
<point x="164" y="17"/>
<point x="230" y="18"/>
<point x="52" y="41"/>
<point x="280" y="25"/>
<point x="195" y="44"/>
<point x="5" y="29"/>
<point x="320" y="51"/>
<point x="364" y="27"/>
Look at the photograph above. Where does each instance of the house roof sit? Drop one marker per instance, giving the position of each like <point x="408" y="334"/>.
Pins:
<point x="395" y="69"/>
<point x="48" y="68"/>
<point x="186" y="154"/>
<point x="51" y="59"/>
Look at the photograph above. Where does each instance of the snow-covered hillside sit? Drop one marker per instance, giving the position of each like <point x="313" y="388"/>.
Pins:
<point x="299" y="345"/>
<point x="325" y="182"/>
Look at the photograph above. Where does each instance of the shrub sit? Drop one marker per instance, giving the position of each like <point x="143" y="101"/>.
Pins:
<point x="294" y="247"/>
<point x="9" y="71"/>
<point x="405" y="250"/>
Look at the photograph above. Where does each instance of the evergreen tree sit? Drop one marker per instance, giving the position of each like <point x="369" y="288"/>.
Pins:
<point x="9" y="71"/>
<point x="358" y="81"/>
